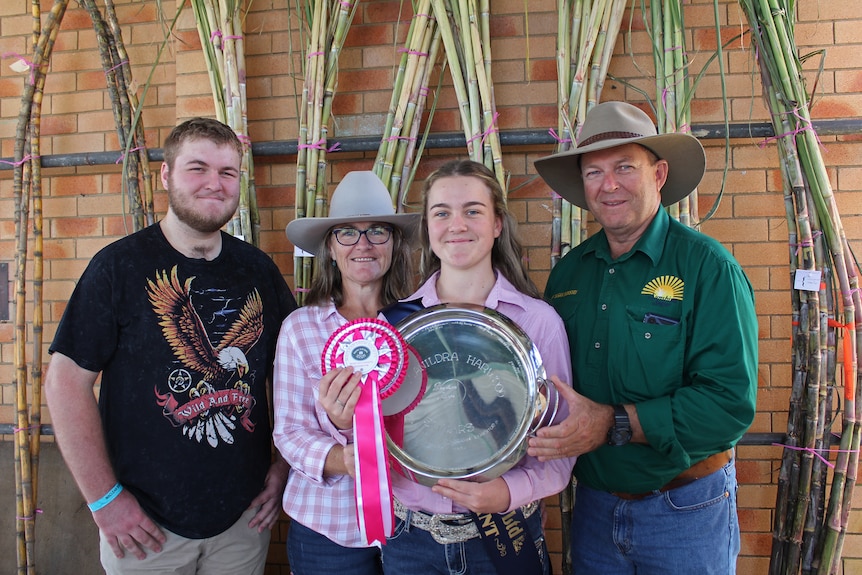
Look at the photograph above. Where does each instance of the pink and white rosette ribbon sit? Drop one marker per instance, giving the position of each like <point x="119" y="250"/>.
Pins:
<point x="375" y="349"/>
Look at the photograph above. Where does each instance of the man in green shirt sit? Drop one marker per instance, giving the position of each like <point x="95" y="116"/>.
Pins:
<point x="663" y="337"/>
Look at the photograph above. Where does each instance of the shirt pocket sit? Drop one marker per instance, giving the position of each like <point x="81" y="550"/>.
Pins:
<point x="652" y="366"/>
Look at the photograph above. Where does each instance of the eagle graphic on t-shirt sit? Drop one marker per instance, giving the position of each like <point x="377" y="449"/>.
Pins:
<point x="209" y="392"/>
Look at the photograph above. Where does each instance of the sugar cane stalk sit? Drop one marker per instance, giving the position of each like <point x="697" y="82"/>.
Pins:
<point x="114" y="60"/>
<point x="798" y="546"/>
<point x="328" y="22"/>
<point x="219" y="26"/>
<point x="27" y="185"/>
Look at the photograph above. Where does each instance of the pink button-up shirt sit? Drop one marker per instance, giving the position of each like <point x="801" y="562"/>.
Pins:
<point x="529" y="479"/>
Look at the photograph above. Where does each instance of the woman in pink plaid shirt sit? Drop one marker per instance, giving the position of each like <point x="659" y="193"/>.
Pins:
<point x="362" y="263"/>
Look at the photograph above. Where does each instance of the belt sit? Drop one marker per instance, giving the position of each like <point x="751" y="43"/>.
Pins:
<point x="700" y="469"/>
<point x="448" y="528"/>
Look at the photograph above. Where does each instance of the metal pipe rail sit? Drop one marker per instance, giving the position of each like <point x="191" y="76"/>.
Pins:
<point x="508" y="138"/>
<point x="747" y="439"/>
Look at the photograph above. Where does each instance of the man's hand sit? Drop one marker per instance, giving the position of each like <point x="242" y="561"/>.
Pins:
<point x="79" y="433"/>
<point x="127" y="528"/>
<point x="269" y="500"/>
<point x="488" y="497"/>
<point x="584" y="430"/>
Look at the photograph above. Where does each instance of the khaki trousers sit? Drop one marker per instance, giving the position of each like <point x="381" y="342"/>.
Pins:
<point x="239" y="550"/>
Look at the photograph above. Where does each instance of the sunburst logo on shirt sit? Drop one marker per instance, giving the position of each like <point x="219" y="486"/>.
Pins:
<point x="665" y="288"/>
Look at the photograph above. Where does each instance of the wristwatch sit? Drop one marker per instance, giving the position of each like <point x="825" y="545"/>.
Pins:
<point x="621" y="432"/>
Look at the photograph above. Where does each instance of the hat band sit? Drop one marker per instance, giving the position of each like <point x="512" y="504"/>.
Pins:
<point x="609" y="136"/>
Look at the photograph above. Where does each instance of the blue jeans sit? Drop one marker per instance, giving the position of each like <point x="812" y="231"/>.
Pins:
<point x="690" y="530"/>
<point x="311" y="553"/>
<point x="413" y="550"/>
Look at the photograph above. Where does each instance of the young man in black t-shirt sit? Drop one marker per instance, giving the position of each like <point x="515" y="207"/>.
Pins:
<point x="180" y="319"/>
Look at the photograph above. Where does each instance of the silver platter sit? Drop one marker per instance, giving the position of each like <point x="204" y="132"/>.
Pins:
<point x="485" y="394"/>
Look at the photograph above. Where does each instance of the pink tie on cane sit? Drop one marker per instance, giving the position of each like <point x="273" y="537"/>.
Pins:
<point x="375" y="349"/>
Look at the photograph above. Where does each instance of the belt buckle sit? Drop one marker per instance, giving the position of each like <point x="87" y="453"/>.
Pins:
<point x="448" y="534"/>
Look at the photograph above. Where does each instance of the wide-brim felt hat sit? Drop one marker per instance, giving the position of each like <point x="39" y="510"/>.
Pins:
<point x="360" y="197"/>
<point x="611" y="124"/>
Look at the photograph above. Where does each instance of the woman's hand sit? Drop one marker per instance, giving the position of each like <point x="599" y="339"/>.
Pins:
<point x="339" y="393"/>
<point x="487" y="497"/>
<point x="349" y="456"/>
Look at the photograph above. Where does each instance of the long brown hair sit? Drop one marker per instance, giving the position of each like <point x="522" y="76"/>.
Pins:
<point x="507" y="253"/>
<point x="327" y="283"/>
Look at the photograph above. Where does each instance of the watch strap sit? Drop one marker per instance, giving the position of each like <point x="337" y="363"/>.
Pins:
<point x="621" y="416"/>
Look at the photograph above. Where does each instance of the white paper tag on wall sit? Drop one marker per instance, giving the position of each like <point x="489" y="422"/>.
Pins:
<point x="300" y="253"/>
<point x="20" y="66"/>
<point x="807" y="280"/>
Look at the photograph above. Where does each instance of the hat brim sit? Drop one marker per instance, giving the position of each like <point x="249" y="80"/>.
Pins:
<point x="684" y="154"/>
<point x="308" y="233"/>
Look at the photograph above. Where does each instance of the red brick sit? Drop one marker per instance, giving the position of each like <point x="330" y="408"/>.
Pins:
<point x="836" y="107"/>
<point x="75" y="227"/>
<point x="95" y="121"/>
<point x="704" y="39"/>
<point x="197" y="106"/>
<point x="76" y="19"/>
<point x="265" y="18"/>
<point x="633" y="20"/>
<point x="58" y="249"/>
<point x="446" y="121"/>
<point x="344" y="103"/>
<point x="11" y="87"/>
<point x="274" y="196"/>
<point x="369" y="35"/>
<point x="94" y="80"/>
<point x="187" y="40"/>
<point x="59" y="125"/>
<point x="379" y="12"/>
<point x="76" y="60"/>
<point x="358" y="80"/>
<point x="75" y="185"/>
<point x="137" y="12"/>
<point x="506" y="26"/>
<point x="544" y="117"/>
<point x="543" y="70"/>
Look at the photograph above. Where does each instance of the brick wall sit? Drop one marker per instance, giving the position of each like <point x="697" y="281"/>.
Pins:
<point x="84" y="210"/>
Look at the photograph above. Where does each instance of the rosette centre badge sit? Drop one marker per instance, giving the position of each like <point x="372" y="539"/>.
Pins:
<point x="372" y="347"/>
<point x="362" y="355"/>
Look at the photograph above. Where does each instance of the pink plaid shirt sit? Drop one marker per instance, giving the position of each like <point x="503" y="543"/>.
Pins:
<point x="303" y="432"/>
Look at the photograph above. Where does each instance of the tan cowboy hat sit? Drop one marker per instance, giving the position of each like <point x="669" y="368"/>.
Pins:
<point x="615" y="124"/>
<point x="360" y="197"/>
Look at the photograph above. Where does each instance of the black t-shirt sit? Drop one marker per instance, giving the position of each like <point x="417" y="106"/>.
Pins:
<point x="185" y="347"/>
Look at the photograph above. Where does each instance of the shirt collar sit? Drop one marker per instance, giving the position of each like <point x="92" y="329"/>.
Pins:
<point x="502" y="292"/>
<point x="326" y="311"/>
<point x="651" y="243"/>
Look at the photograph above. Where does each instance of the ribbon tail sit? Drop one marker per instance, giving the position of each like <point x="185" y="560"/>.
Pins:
<point x="374" y="508"/>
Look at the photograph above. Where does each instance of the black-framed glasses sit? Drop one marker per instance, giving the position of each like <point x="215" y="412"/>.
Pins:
<point x="350" y="236"/>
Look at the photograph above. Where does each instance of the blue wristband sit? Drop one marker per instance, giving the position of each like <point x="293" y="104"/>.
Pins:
<point x="106" y="498"/>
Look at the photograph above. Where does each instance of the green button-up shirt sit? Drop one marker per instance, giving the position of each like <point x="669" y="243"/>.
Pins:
<point x="670" y="327"/>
